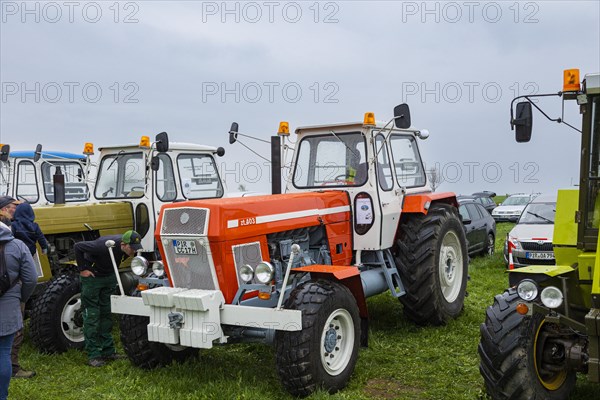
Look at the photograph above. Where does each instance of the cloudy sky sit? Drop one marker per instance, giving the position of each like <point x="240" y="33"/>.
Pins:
<point x="109" y="72"/>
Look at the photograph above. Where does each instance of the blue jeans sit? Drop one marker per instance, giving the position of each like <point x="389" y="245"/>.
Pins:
<point x="5" y="364"/>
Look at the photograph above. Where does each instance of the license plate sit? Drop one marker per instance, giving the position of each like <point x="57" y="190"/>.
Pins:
<point x="540" y="256"/>
<point x="185" y="247"/>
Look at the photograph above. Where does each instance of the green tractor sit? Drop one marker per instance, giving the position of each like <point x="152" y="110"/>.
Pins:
<point x="545" y="328"/>
<point x="131" y="184"/>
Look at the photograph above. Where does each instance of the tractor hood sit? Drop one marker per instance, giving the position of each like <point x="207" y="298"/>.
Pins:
<point x="237" y="218"/>
<point x="107" y="218"/>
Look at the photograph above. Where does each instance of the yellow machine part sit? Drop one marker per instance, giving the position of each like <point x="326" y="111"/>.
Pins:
<point x="57" y="219"/>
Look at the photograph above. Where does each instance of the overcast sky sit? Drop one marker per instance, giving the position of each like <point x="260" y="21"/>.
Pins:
<point x="109" y="72"/>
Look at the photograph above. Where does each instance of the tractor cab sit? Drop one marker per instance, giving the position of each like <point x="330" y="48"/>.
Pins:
<point x="150" y="175"/>
<point x="29" y="175"/>
<point x="376" y="163"/>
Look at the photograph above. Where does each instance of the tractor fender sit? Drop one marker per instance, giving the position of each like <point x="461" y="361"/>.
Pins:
<point x="421" y="202"/>
<point x="538" y="273"/>
<point x="348" y="276"/>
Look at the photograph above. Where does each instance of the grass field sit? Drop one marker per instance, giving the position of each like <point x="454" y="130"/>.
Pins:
<point x="402" y="361"/>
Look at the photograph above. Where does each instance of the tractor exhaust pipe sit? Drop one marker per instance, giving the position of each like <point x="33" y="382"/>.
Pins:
<point x="275" y="165"/>
<point x="59" y="186"/>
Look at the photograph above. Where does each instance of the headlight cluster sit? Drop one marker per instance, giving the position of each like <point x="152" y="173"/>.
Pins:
<point x="551" y="296"/>
<point x="139" y="266"/>
<point x="514" y="242"/>
<point x="263" y="274"/>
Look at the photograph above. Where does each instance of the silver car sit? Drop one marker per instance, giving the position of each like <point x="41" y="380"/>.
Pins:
<point x="530" y="241"/>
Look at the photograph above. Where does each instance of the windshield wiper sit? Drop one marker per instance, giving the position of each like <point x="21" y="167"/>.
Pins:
<point x="540" y="217"/>
<point x="344" y="143"/>
<point x="119" y="154"/>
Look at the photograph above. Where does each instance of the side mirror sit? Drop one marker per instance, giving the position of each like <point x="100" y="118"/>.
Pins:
<point x="402" y="116"/>
<point x="466" y="221"/>
<point x="38" y="153"/>
<point x="523" y="122"/>
<point x="162" y="142"/>
<point x="154" y="163"/>
<point x="220" y="152"/>
<point x="4" y="152"/>
<point x="233" y="133"/>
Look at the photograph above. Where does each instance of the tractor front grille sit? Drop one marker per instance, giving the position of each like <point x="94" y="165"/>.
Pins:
<point x="191" y="271"/>
<point x="185" y="221"/>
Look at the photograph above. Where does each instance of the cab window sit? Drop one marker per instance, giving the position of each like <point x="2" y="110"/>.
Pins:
<point x="335" y="159"/>
<point x="121" y="175"/>
<point x="199" y="176"/>
<point x="27" y="187"/>
<point x="407" y="162"/>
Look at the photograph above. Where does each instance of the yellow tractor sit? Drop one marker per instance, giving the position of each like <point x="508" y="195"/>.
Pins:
<point x="545" y="328"/>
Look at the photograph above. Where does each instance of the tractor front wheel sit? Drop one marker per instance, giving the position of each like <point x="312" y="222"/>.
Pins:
<point x="513" y="351"/>
<point x="433" y="261"/>
<point x="323" y="354"/>
<point x="56" y="321"/>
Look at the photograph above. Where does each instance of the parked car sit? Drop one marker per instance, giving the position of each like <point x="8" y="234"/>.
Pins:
<point x="511" y="208"/>
<point x="479" y="226"/>
<point x="484" y="198"/>
<point x="530" y="241"/>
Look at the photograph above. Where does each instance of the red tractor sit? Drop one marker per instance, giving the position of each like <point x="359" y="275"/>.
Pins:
<point x="295" y="269"/>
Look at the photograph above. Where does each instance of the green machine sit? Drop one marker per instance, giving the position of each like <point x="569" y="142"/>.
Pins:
<point x="545" y="328"/>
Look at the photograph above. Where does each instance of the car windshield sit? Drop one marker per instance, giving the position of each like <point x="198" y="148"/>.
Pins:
<point x="538" y="213"/>
<point x="516" y="201"/>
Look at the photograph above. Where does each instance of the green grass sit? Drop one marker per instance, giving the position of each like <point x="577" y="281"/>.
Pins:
<point x="402" y="361"/>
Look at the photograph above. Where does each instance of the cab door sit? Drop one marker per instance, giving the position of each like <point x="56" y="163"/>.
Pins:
<point x="389" y="193"/>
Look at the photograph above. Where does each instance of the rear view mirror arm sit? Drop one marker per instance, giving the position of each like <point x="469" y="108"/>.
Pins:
<point x="528" y="98"/>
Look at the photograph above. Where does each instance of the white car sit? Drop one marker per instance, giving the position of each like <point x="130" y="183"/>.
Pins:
<point x="530" y="241"/>
<point x="511" y="208"/>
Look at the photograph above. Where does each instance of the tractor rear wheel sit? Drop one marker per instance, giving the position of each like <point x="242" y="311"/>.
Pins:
<point x="56" y="320"/>
<point x="323" y="354"/>
<point x="511" y="350"/>
<point x="146" y="354"/>
<point x="433" y="262"/>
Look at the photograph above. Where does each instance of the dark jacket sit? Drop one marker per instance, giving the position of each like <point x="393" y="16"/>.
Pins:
<point x="25" y="229"/>
<point x="19" y="264"/>
<point x="93" y="255"/>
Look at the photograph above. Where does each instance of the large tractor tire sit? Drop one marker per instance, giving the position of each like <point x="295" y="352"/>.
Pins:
<point x="56" y="320"/>
<point x="323" y="354"/>
<point x="511" y="349"/>
<point x="433" y="262"/>
<point x="146" y="354"/>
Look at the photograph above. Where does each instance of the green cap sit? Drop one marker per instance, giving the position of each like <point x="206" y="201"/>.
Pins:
<point x="133" y="239"/>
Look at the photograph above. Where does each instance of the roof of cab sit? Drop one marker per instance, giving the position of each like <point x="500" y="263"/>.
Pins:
<point x="172" y="146"/>
<point x="47" y="154"/>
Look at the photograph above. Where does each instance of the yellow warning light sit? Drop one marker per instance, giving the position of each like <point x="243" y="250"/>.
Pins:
<point x="284" y="129"/>
<point x="369" y="119"/>
<point x="571" y="80"/>
<point x="145" y="142"/>
<point x="88" y="149"/>
<point x="264" y="295"/>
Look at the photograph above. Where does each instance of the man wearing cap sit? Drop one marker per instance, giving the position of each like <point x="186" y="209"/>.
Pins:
<point x="8" y="205"/>
<point x="98" y="282"/>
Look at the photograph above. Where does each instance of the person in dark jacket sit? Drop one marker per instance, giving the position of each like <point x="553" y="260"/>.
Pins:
<point x="26" y="229"/>
<point x="17" y="260"/>
<point x="98" y="282"/>
<point x="8" y="207"/>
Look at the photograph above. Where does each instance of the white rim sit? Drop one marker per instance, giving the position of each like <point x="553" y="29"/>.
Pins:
<point x="337" y="342"/>
<point x="67" y="319"/>
<point x="451" y="266"/>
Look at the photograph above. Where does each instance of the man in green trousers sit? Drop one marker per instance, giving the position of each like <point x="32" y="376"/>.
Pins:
<point x="98" y="282"/>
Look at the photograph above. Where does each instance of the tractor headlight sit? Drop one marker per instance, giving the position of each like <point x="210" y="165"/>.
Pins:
<point x="527" y="290"/>
<point x="158" y="268"/>
<point x="264" y="272"/>
<point x="246" y="273"/>
<point x="139" y="265"/>
<point x="551" y="297"/>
